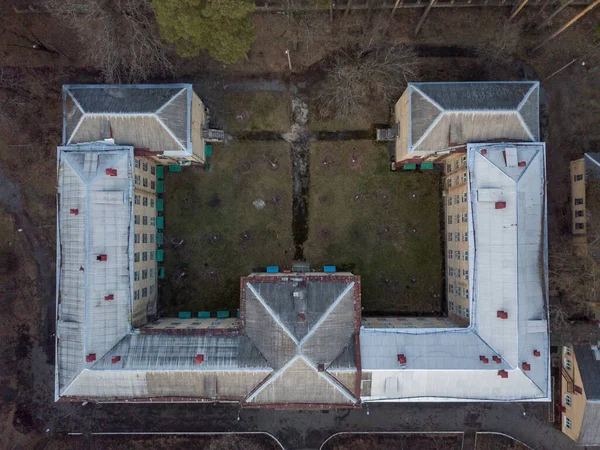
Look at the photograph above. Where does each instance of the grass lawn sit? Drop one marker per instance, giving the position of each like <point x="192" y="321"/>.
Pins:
<point x="381" y="225"/>
<point x="256" y="111"/>
<point x="377" y="113"/>
<point x="225" y="235"/>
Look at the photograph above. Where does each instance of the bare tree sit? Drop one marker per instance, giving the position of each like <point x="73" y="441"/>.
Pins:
<point x="120" y="36"/>
<point x="352" y="79"/>
<point x="500" y="47"/>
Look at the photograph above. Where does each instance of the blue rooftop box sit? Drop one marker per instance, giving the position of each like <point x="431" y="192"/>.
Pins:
<point x="329" y="269"/>
<point x="272" y="269"/>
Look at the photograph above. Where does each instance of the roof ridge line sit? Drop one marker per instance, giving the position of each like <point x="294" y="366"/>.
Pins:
<point x="327" y="312"/>
<point x="272" y="378"/>
<point x="170" y="132"/>
<point x="272" y="313"/>
<point x="527" y="95"/>
<point x="428" y="98"/>
<point x="330" y="379"/>
<point x="168" y="102"/>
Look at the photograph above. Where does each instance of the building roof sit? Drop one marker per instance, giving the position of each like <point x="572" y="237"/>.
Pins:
<point x="588" y="361"/>
<point x="508" y="267"/>
<point x="301" y="325"/>
<point x="154" y="117"/>
<point x="442" y="115"/>
<point x="592" y="202"/>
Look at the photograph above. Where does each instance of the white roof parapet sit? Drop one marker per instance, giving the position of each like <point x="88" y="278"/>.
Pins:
<point x="508" y="267"/>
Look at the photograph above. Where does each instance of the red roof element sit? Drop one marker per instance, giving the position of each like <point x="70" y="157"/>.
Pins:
<point x="111" y="172"/>
<point x="484" y="151"/>
<point x="109" y="297"/>
<point x="483" y="359"/>
<point x="81" y="269"/>
<point x="522" y="163"/>
<point x="537" y="353"/>
<point x="101" y="257"/>
<point x="301" y="317"/>
<point x="500" y="205"/>
<point x="503" y="373"/>
<point x="497" y="359"/>
<point x="90" y="358"/>
<point x="74" y="211"/>
<point x="526" y="367"/>
<point x="501" y="314"/>
<point x="199" y="359"/>
<point x="402" y="359"/>
<point x="116" y="359"/>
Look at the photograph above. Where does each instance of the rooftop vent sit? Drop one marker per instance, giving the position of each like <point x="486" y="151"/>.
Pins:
<point x="402" y="359"/>
<point x="74" y="211"/>
<point x="497" y="359"/>
<point x="537" y="353"/>
<point x="501" y="314"/>
<point x="500" y="205"/>
<point x="90" y="358"/>
<point x="199" y="359"/>
<point x="526" y="367"/>
<point x="510" y="156"/>
<point x="81" y="269"/>
<point x="111" y="172"/>
<point x="484" y="151"/>
<point x="301" y="317"/>
<point x="321" y="367"/>
<point x="522" y="163"/>
<point x="503" y="373"/>
<point x="102" y="257"/>
<point x="483" y="359"/>
<point x="115" y="359"/>
<point x="109" y="297"/>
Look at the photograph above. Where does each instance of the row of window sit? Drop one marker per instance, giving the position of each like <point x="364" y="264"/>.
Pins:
<point x="144" y="236"/>
<point x="143" y="273"/>
<point x="459" y="310"/>
<point x="145" y="182"/>
<point x="457" y="199"/>
<point x="136" y="220"/>
<point x="144" y="292"/>
<point x="457" y="180"/>
<point x="452" y="272"/>
<point x="143" y="200"/>
<point x="145" y="166"/>
<point x="458" y="218"/>
<point x="456" y="254"/>
<point x="457" y="164"/>
<point x="465" y="236"/>
<point x="459" y="291"/>
<point x="136" y="256"/>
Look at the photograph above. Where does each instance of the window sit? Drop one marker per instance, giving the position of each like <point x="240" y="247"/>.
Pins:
<point x="145" y="220"/>
<point x="450" y="237"/>
<point x="467" y="313"/>
<point x="144" y="256"/>
<point x="579" y="213"/>
<point x="448" y="168"/>
<point x="457" y="236"/>
<point x="464" y="197"/>
<point x="144" y="238"/>
<point x="136" y="238"/>
<point x="145" y="201"/>
<point x="451" y="288"/>
<point x="153" y="169"/>
<point x="450" y="271"/>
<point x="568" y="400"/>
<point x="152" y="238"/>
<point x="145" y="182"/>
<point x="137" y="179"/>
<point x="449" y="254"/>
<point x="152" y="289"/>
<point x="568" y="423"/>
<point x="151" y="273"/>
<point x="450" y="201"/>
<point x="579" y="201"/>
<point x="152" y="255"/>
<point x="152" y="220"/>
<point x="458" y="310"/>
<point x="464" y="217"/>
<point x="456" y="199"/>
<point x="449" y="182"/>
<point x="144" y="274"/>
<point x="458" y="290"/>
<point x="579" y="226"/>
<point x="567" y="364"/>
<point x="136" y="275"/>
<point x="465" y="274"/>
<point x="136" y="257"/>
<point x="450" y="220"/>
<point x="466" y="293"/>
<point x="464" y="177"/>
<point x="456" y="164"/>
<point x="451" y="306"/>
<point x="466" y="258"/>
<point x="136" y="219"/>
<point x="457" y="217"/>
<point x="144" y="292"/>
<point x="152" y="185"/>
<point x="137" y="199"/>
<point x="456" y="180"/>
<point x="463" y="160"/>
<point x="136" y="295"/>
<point x="151" y="203"/>
<point x="457" y="254"/>
<point x="567" y="350"/>
<point x="466" y="236"/>
<point x="145" y="167"/>
<point x="578" y="177"/>
<point x="137" y="163"/>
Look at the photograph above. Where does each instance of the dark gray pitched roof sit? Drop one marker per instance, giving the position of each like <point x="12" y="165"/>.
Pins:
<point x="589" y="368"/>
